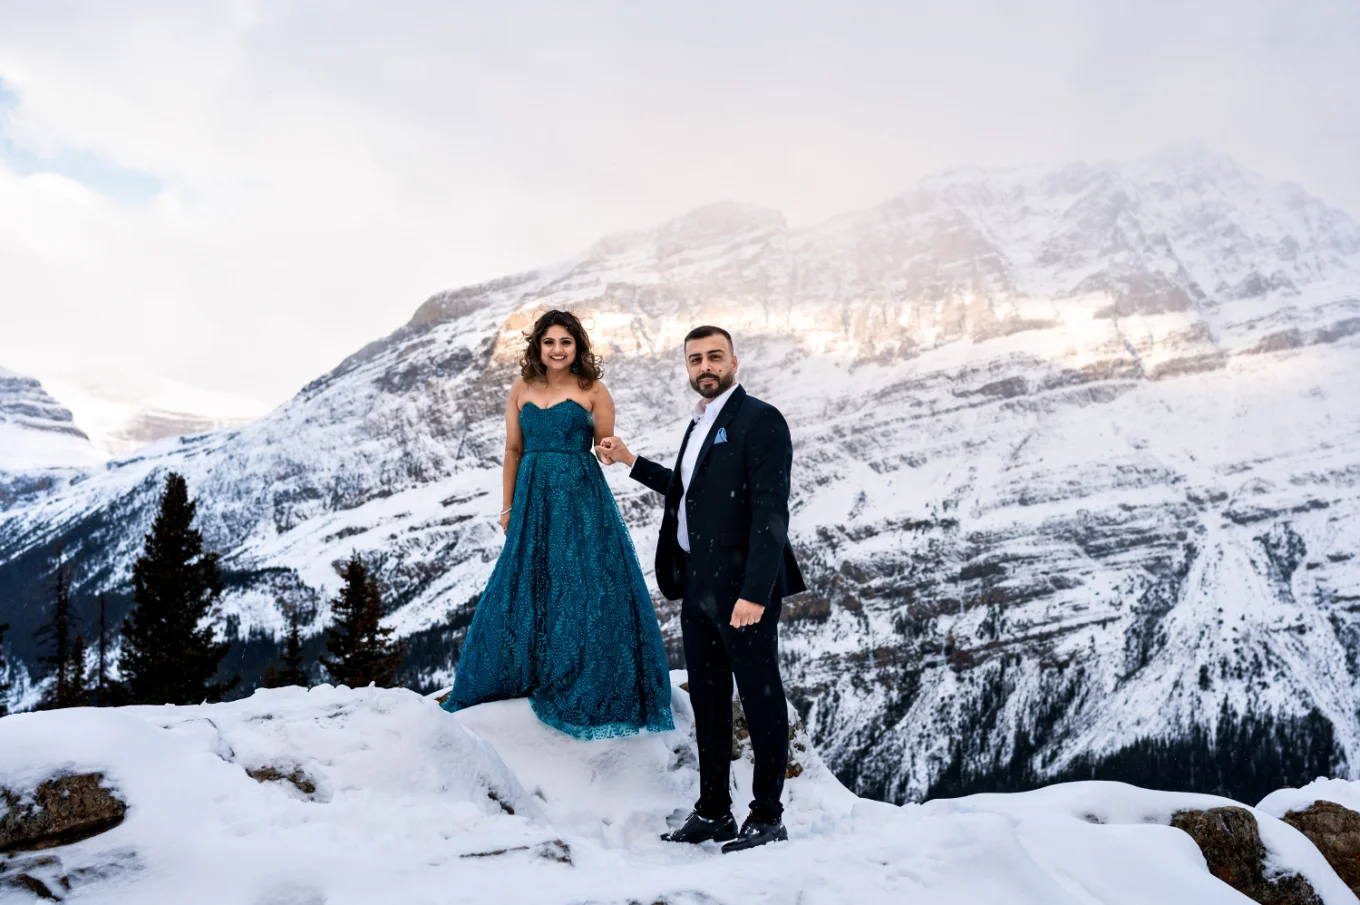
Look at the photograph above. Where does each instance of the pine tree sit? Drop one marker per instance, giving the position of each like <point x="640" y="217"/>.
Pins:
<point x="292" y="672"/>
<point x="74" y="688"/>
<point x="101" y="686"/>
<point x="77" y="676"/>
<point x="361" y="650"/>
<point x="57" y="631"/>
<point x="4" y="672"/>
<point x="166" y="657"/>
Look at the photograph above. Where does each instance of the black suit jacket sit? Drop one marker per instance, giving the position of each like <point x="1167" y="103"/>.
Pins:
<point x="737" y="510"/>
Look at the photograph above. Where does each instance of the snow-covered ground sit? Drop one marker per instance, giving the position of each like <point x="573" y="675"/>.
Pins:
<point x="21" y="446"/>
<point x="1344" y="792"/>
<point x="413" y="805"/>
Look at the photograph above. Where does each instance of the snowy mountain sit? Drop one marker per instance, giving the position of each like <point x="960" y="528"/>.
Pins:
<point x="1076" y="459"/>
<point x="376" y="795"/>
<point x="123" y="410"/>
<point x="36" y="432"/>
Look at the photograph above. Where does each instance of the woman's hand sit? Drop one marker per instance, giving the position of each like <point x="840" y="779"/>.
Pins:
<point x="612" y="449"/>
<point x="505" y="522"/>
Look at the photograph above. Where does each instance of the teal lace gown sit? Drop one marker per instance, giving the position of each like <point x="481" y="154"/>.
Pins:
<point x="565" y="619"/>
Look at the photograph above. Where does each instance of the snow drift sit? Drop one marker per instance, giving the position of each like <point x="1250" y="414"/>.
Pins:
<point x="379" y="796"/>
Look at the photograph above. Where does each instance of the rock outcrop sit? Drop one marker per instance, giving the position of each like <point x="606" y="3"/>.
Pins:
<point x="1335" y="831"/>
<point x="1231" y="843"/>
<point x="59" y="811"/>
<point x="37" y="433"/>
<point x="799" y="743"/>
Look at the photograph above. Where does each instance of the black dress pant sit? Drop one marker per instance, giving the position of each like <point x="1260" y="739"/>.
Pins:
<point x="714" y="653"/>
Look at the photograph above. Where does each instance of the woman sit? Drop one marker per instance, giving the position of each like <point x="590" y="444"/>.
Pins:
<point x="565" y="619"/>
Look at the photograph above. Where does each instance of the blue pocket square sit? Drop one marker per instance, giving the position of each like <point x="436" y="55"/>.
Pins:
<point x="722" y="436"/>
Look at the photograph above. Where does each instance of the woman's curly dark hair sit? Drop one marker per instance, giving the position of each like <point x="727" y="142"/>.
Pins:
<point x="586" y="366"/>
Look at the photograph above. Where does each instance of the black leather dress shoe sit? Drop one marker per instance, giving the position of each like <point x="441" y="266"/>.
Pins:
<point x="756" y="832"/>
<point x="698" y="829"/>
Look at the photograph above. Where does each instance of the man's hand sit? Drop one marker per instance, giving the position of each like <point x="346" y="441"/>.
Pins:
<point x="746" y="613"/>
<point x="612" y="449"/>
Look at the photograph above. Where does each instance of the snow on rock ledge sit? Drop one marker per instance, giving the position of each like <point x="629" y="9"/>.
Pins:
<point x="1327" y="811"/>
<point x="410" y="804"/>
<point x="1341" y="791"/>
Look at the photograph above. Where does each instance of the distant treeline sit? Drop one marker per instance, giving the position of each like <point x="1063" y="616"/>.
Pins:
<point x="1244" y="757"/>
<point x="168" y="649"/>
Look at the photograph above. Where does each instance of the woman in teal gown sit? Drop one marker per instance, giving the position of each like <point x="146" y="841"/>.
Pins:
<point x="565" y="619"/>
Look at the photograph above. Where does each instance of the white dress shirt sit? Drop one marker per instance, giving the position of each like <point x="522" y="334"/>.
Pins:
<point x="706" y="412"/>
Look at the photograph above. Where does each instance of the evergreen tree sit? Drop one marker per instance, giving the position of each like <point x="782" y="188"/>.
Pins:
<point x="101" y="682"/>
<point x="292" y="672"/>
<point x="361" y="650"/>
<point x="77" y="676"/>
<point x="166" y="657"/>
<point x="74" y="688"/>
<point x="57" y="631"/>
<point x="4" y="672"/>
<point x="1243" y="757"/>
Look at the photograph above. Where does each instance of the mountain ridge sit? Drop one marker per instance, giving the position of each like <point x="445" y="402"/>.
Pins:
<point x="1033" y="415"/>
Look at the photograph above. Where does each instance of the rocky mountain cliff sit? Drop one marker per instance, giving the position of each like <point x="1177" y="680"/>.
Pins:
<point x="126" y="408"/>
<point x="36" y="431"/>
<point x="1076" y="458"/>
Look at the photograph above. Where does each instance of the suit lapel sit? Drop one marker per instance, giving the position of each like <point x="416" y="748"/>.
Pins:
<point x="728" y="413"/>
<point x="677" y="485"/>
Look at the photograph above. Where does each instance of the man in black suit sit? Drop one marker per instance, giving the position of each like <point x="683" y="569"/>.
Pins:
<point x="724" y="552"/>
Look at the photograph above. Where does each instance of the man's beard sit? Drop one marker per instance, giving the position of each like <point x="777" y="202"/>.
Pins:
<point x="714" y="390"/>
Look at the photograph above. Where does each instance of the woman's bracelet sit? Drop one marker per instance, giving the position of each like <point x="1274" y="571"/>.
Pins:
<point x="504" y="511"/>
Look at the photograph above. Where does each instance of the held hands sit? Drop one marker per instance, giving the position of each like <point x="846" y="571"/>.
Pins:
<point x="746" y="613"/>
<point x="612" y="449"/>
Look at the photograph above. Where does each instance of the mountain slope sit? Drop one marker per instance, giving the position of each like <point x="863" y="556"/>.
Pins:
<point x="36" y="432"/>
<point x="1075" y="457"/>
<point x="124" y="409"/>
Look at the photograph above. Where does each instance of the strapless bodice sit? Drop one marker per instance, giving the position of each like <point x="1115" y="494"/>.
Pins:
<point x="564" y="428"/>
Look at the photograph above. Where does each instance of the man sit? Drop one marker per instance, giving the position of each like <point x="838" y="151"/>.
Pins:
<point x="724" y="552"/>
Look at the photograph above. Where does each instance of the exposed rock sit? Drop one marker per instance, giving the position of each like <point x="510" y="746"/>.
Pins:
<point x="741" y="739"/>
<point x="61" y="810"/>
<point x="45" y="876"/>
<point x="23" y="401"/>
<point x="1231" y="843"/>
<point x="500" y="800"/>
<point x="300" y="780"/>
<point x="552" y="850"/>
<point x="1335" y="831"/>
<point x="31" y="884"/>
<point x="38" y="876"/>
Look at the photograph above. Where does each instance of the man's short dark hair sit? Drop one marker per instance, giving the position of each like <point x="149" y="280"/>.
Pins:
<point x="708" y="330"/>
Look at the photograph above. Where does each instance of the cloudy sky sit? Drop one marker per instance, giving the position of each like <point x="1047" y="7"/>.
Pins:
<point x="238" y="194"/>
